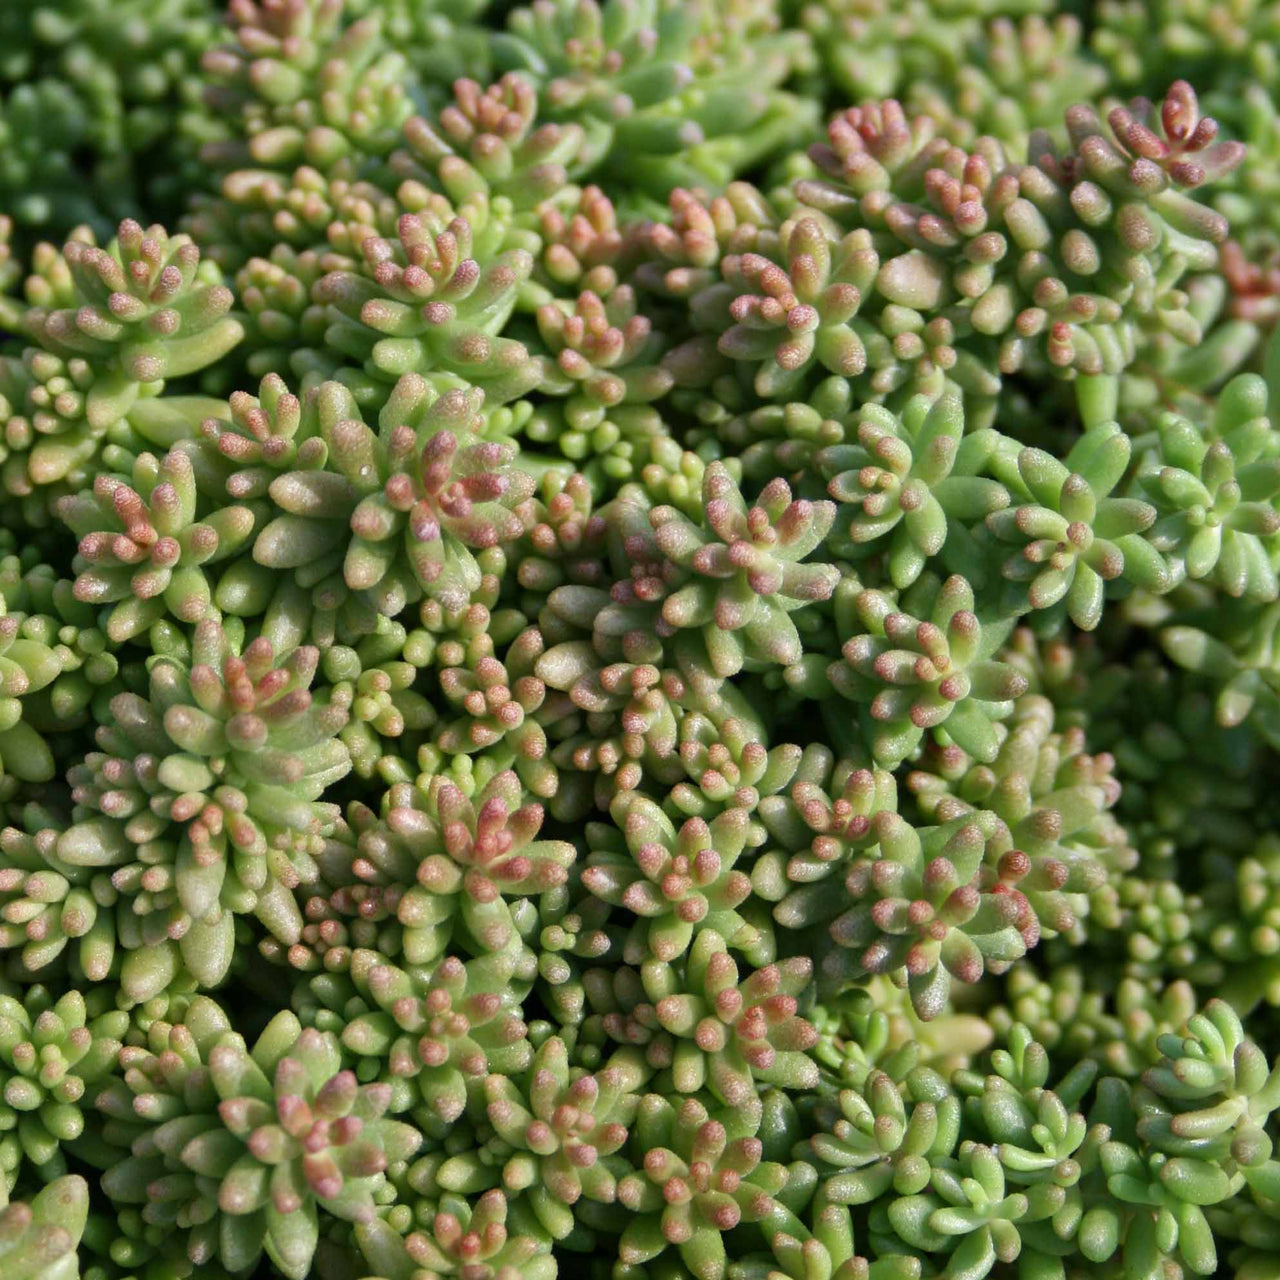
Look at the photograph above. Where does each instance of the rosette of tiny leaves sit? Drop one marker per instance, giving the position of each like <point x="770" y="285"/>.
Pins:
<point x="733" y="1034"/>
<point x="1214" y="1091"/>
<point x="877" y="160"/>
<point x="203" y="800"/>
<point x="352" y="906"/>
<point x="683" y="252"/>
<point x="702" y="1174"/>
<point x="402" y="511"/>
<point x="620" y="677"/>
<point x="1055" y="800"/>
<point x="678" y="882"/>
<point x="54" y="1054"/>
<point x="142" y="549"/>
<point x="913" y="675"/>
<point x="970" y="1215"/>
<point x="787" y="438"/>
<point x="423" y="304"/>
<point x="1165" y="1211"/>
<point x="674" y="476"/>
<point x="497" y="702"/>
<point x="1074" y="536"/>
<point x="1229" y="310"/>
<point x="39" y="1238"/>
<point x="298" y="83"/>
<point x="1216" y="509"/>
<point x="574" y="926"/>
<point x="111" y="327"/>
<point x="741" y="570"/>
<point x="1153" y="923"/>
<point x="1015" y="76"/>
<point x="305" y="223"/>
<point x="242" y="1148"/>
<point x="143" y="309"/>
<point x="873" y="1139"/>
<point x="728" y="766"/>
<point x="47" y="905"/>
<point x="671" y="95"/>
<point x="47" y="614"/>
<point x="1018" y="76"/>
<point x="583" y="245"/>
<point x="910" y="483"/>
<point x="49" y="445"/>
<point x="470" y="1240"/>
<point x="605" y="364"/>
<point x="456" y="858"/>
<point x="1074" y="1011"/>
<point x="445" y="1034"/>
<point x="265" y="435"/>
<point x="1005" y="1102"/>
<point x="793" y="319"/>
<point x="1045" y="1146"/>
<point x="278" y="314"/>
<point x="925" y="910"/>
<point x="814" y="831"/>
<point x="489" y="143"/>
<point x="558" y="1134"/>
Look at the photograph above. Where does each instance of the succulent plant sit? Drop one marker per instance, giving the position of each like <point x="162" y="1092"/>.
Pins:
<point x="1073" y="537"/>
<point x="560" y="1128"/>
<point x="648" y="646"/>
<point x="238" y="1147"/>
<point x="911" y="675"/>
<point x="677" y="882"/>
<point x="912" y="481"/>
<point x="399" y="512"/>
<point x="455" y="859"/>
<point x="203" y="799"/>
<point x="462" y="1238"/>
<point x="732" y="1034"/>
<point x="699" y="1179"/>
<point x="873" y="1141"/>
<point x="446" y="1034"/>
<point x="424" y="304"/>
<point x="53" y="1054"/>
<point x="740" y="573"/>
<point x="297" y="83"/>
<point x="141" y="548"/>
<point x="672" y="95"/>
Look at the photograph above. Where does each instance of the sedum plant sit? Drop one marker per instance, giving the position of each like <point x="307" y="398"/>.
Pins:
<point x="639" y="640"/>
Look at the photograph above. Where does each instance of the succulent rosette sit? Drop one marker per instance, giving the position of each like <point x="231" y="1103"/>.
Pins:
<point x="396" y="513"/>
<point x="203" y="800"/>
<point x="232" y="1150"/>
